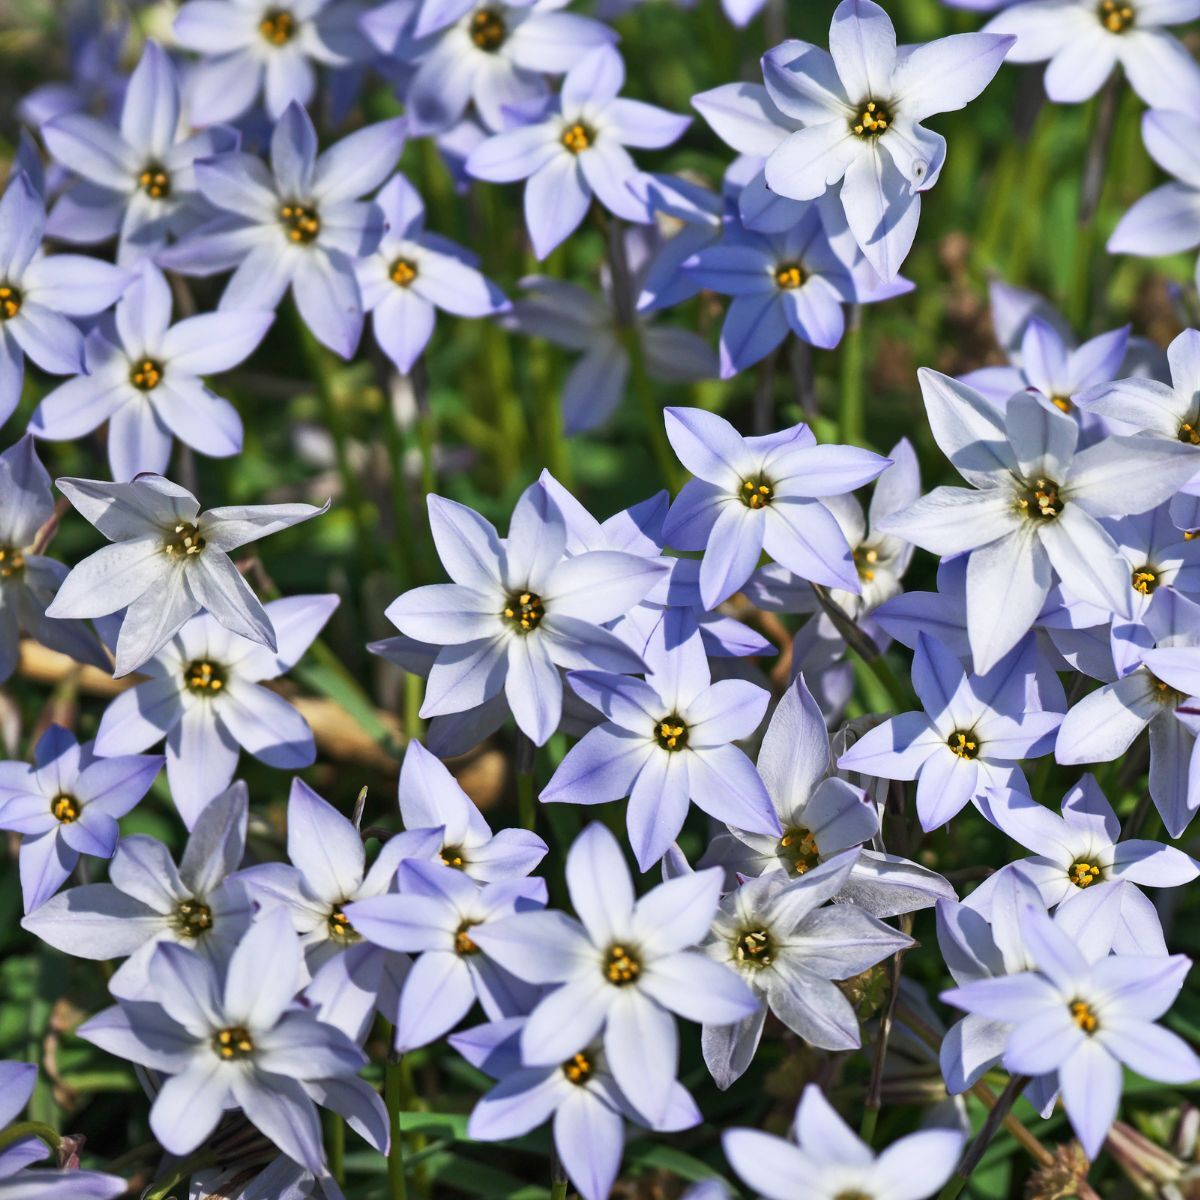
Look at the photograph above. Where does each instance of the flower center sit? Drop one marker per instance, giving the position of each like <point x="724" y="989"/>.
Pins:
<point x="962" y="742"/>
<point x="1040" y="500"/>
<point x="452" y="856"/>
<point x="622" y="966"/>
<point x="671" y="733"/>
<point x="1144" y="579"/>
<point x="1187" y="431"/>
<point x="1082" y="873"/>
<point x="756" y="492"/>
<point x="300" y="223"/>
<point x="65" y="808"/>
<point x="1064" y="404"/>
<point x="488" y="30"/>
<point x="404" y="271"/>
<point x="789" y="275"/>
<point x="338" y="926"/>
<point x="185" y="540"/>
<point x="853" y="1194"/>
<point x="10" y="301"/>
<point x="799" y="847"/>
<point x="232" y="1042"/>
<point x="278" y="26"/>
<point x="192" y="918"/>
<point x="754" y="948"/>
<point x="1084" y="1016"/>
<point x="578" y="1069"/>
<point x="524" y="611"/>
<point x="1164" y="693"/>
<point x="1115" y="16"/>
<point x="578" y="137"/>
<point x="203" y="676"/>
<point x="866" y="558"/>
<point x="155" y="181"/>
<point x="146" y="375"/>
<point x="872" y="119"/>
<point x="12" y="562"/>
<point x="463" y="942"/>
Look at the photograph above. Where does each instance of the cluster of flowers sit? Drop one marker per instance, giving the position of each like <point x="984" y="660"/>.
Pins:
<point x="252" y="985"/>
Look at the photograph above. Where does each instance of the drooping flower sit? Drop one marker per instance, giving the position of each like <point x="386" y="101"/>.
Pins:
<point x="233" y="1038"/>
<point x="1083" y="847"/>
<point x="1083" y="41"/>
<point x="263" y="48"/>
<point x="67" y="804"/>
<point x="575" y="150"/>
<point x="973" y="734"/>
<point x="205" y="696"/>
<point x="1032" y="510"/>
<point x="788" y="945"/>
<point x="167" y="560"/>
<point x="623" y="970"/>
<point x="860" y="107"/>
<point x="580" y="1096"/>
<point x="300" y="225"/>
<point x="829" y="1156"/>
<point x="667" y="741"/>
<point x="518" y="610"/>
<point x="822" y="817"/>
<point x="144" y="379"/>
<point x="1085" y="1019"/>
<point x="38" y="293"/>
<point x="150" y="900"/>
<point x="137" y="181"/>
<point x="413" y="273"/>
<point x="28" y="579"/>
<point x="761" y="493"/>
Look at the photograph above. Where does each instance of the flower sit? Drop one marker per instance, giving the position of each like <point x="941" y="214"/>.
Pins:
<point x="166" y="562"/>
<point x="150" y="900"/>
<point x="17" y="1080"/>
<point x="300" y="225"/>
<point x="430" y="797"/>
<point x="491" y="55"/>
<point x="831" y="1157"/>
<point x="66" y="805"/>
<point x="860" y="107"/>
<point x="790" y="282"/>
<point x="1031" y="512"/>
<point x="822" y="817"/>
<point x="137" y="181"/>
<point x="233" y="1039"/>
<point x="758" y="493"/>
<point x="412" y="273"/>
<point x="517" y="610"/>
<point x="1084" y="1018"/>
<point x="254" y="48"/>
<point x="580" y="1095"/>
<point x="205" y="695"/>
<point x="972" y="735"/>
<point x="1082" y="847"/>
<point x="783" y="939"/>
<point x="38" y="293"/>
<point x="622" y="972"/>
<point x="1083" y="41"/>
<point x="667" y="740"/>
<point x="28" y="579"/>
<point x="1167" y="219"/>
<point x="437" y="914"/>
<point x="576" y="150"/>
<point x="144" y="379"/>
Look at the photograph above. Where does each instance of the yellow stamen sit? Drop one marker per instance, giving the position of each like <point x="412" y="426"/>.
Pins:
<point x="10" y="301"/>
<point x="1115" y="16"/>
<point x="872" y="120"/>
<point x="300" y="222"/>
<point x="1084" y="1016"/>
<point x="277" y="26"/>
<point x="623" y="966"/>
<point x="65" y="809"/>
<point x="203" y="676"/>
<point x="962" y="742"/>
<point x="1083" y="874"/>
<point x="577" y="137"/>
<point x="146" y="375"/>
<point x="233" y="1042"/>
<point x="524" y="611"/>
<point x="404" y="271"/>
<point x="578" y="1069"/>
<point x="488" y="30"/>
<point x="154" y="181"/>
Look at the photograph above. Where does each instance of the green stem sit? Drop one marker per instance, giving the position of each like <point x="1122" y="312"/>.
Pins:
<point x="558" y="1190"/>
<point x="853" y="371"/>
<point x="865" y="649"/>
<point x="179" y="1174"/>
<point x="26" y="1129"/>
<point x="526" y="808"/>
<point x="1016" y="1085"/>
<point x="393" y="1092"/>
<point x="336" y="1137"/>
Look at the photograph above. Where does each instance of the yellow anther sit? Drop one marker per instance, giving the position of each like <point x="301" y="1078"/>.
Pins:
<point x="756" y="493"/>
<point x="962" y="742"/>
<point x="232" y="1042"/>
<point x="578" y="1069"/>
<point x="185" y="540"/>
<point x="524" y="611"/>
<point x="300" y="222"/>
<point x="789" y="275"/>
<point x="1041" y="500"/>
<point x="146" y="375"/>
<point x="754" y="948"/>
<point x="277" y="26"/>
<point x="10" y="301"/>
<point x="866" y="558"/>
<point x="577" y="137"/>
<point x="1187" y="431"/>
<point x="671" y="733"/>
<point x="1063" y="403"/>
<point x="1115" y="16"/>
<point x="799" y="847"/>
<point x="1084" y="1016"/>
<point x="622" y="967"/>
<point x="154" y="181"/>
<point x="338" y="926"/>
<point x="452" y="856"/>
<point x="872" y="119"/>
<point x="200" y="675"/>
<point x="488" y="30"/>
<point x="192" y="918"/>
<point x="463" y="942"/>
<point x="64" y="808"/>
<point x="404" y="271"/>
<point x="1083" y="874"/>
<point x="1144" y="579"/>
<point x="12" y="562"/>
